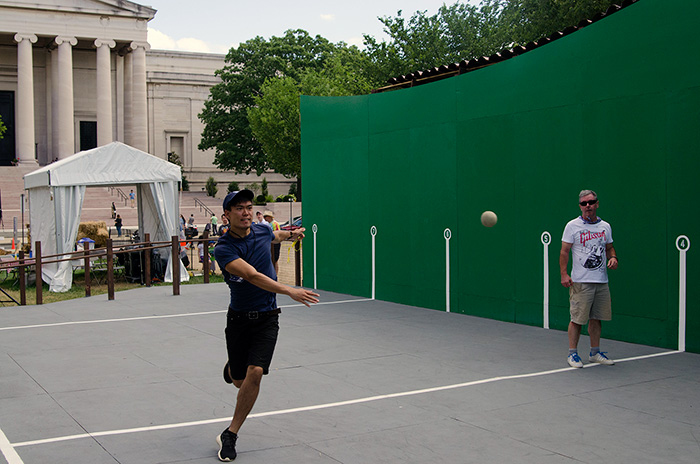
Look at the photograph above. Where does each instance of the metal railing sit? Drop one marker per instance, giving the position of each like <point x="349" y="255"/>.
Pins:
<point x="202" y="206"/>
<point x="122" y="195"/>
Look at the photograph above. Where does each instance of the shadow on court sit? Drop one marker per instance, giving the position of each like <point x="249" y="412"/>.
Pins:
<point x="138" y="380"/>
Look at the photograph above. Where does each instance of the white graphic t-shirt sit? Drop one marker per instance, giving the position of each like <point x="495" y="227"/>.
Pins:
<point x="588" y="240"/>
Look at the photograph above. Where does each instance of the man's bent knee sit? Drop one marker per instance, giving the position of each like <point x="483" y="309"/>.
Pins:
<point x="254" y="374"/>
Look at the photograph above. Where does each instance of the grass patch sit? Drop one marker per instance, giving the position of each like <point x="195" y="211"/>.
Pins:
<point x="78" y="288"/>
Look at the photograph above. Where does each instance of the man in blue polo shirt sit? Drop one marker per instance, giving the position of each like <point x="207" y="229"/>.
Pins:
<point x="243" y="254"/>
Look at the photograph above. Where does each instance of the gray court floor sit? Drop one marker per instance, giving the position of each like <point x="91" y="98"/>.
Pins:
<point x="138" y="380"/>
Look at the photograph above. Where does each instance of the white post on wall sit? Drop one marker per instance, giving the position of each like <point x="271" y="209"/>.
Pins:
<point x="373" y="232"/>
<point x="314" y="228"/>
<point x="546" y="239"/>
<point x="683" y="245"/>
<point x="448" y="235"/>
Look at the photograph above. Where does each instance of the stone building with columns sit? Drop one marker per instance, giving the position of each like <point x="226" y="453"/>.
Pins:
<point x="76" y="74"/>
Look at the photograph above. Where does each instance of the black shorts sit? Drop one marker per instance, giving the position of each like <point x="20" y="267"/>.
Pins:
<point x="276" y="247"/>
<point x="251" y="343"/>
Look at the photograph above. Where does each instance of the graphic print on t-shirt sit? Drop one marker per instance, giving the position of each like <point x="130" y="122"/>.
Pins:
<point x="593" y="244"/>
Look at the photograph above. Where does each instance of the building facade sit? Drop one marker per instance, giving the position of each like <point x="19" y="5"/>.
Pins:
<point x="76" y="74"/>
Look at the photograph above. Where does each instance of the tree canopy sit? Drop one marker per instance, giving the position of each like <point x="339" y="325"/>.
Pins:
<point x="225" y="113"/>
<point x="463" y="31"/>
<point x="252" y="117"/>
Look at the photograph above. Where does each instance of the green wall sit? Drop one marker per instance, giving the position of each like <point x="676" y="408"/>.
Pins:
<point x="614" y="107"/>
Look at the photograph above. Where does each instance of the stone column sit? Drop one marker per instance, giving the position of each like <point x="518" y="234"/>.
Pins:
<point x="25" y="99"/>
<point x="65" y="123"/>
<point x="54" y="104"/>
<point x="119" y="103"/>
<point x="104" y="91"/>
<point x="128" y="98"/>
<point x="139" y="128"/>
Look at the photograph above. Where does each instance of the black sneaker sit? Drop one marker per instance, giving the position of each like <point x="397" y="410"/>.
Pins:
<point x="227" y="445"/>
<point x="227" y="376"/>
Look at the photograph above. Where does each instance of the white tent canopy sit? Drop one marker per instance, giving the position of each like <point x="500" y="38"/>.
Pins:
<point x="56" y="194"/>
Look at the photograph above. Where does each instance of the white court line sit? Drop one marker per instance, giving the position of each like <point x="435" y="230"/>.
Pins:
<point x="326" y="405"/>
<point x="165" y="316"/>
<point x="8" y="450"/>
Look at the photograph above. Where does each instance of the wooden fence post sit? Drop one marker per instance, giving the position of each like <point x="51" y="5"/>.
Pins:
<point x="206" y="263"/>
<point x="175" y="259"/>
<point x="147" y="260"/>
<point x="37" y="271"/>
<point x="22" y="280"/>
<point x="110" y="270"/>
<point x="86" y="267"/>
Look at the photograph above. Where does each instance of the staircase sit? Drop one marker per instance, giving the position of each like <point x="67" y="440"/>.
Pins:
<point x="96" y="205"/>
<point x="98" y="201"/>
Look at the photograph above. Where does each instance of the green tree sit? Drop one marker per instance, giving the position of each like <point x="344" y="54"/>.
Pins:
<point x="276" y="119"/>
<point x="539" y="18"/>
<point x="225" y="117"/>
<point x="233" y="187"/>
<point x="463" y="31"/>
<point x="175" y="159"/>
<point x="2" y="129"/>
<point x="211" y="187"/>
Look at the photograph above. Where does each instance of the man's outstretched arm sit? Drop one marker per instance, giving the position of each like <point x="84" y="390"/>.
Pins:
<point x="247" y="272"/>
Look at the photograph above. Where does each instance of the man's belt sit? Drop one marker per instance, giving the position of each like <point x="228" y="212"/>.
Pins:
<point x="252" y="315"/>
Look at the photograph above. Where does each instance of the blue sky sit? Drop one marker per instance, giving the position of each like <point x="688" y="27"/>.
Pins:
<point x="214" y="26"/>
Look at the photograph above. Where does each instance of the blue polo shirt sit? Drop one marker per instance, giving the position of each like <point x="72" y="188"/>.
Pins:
<point x="254" y="249"/>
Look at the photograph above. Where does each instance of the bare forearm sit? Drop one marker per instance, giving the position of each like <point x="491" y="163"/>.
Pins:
<point x="261" y="280"/>
<point x="282" y="235"/>
<point x="563" y="263"/>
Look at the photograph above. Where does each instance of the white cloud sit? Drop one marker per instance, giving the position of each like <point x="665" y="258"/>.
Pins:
<point x="160" y="41"/>
<point x="190" y="44"/>
<point x="328" y="17"/>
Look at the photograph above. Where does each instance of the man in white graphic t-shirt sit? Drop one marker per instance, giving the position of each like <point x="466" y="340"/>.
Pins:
<point x="589" y="239"/>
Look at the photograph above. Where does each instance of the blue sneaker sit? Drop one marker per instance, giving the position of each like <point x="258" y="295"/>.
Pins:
<point x="574" y="360"/>
<point x="600" y="358"/>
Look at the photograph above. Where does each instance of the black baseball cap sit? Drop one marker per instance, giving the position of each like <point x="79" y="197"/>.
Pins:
<point x="243" y="194"/>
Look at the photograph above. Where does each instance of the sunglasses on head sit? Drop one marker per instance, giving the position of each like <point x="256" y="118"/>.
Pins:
<point x="589" y="202"/>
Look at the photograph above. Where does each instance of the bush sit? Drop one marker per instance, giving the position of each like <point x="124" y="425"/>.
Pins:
<point x="293" y="190"/>
<point x="254" y="187"/>
<point x="260" y="200"/>
<point x="185" y="184"/>
<point x="233" y="187"/>
<point x="285" y="198"/>
<point x="211" y="187"/>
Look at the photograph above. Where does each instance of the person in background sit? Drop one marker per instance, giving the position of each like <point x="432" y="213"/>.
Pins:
<point x="214" y="226"/>
<point x="132" y="197"/>
<point x="589" y="240"/>
<point x="203" y="248"/>
<point x="118" y="225"/>
<point x="261" y="219"/>
<point x="224" y="225"/>
<point x="114" y="211"/>
<point x="276" y="247"/>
